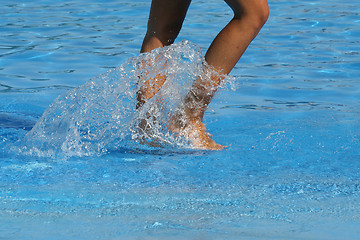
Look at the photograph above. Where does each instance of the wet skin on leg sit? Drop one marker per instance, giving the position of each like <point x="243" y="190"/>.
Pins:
<point x="164" y="24"/>
<point x="165" y="21"/>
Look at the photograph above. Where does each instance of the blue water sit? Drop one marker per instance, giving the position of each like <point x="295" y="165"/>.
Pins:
<point x="292" y="168"/>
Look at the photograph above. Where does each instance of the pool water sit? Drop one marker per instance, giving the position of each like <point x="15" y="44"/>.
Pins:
<point x="292" y="166"/>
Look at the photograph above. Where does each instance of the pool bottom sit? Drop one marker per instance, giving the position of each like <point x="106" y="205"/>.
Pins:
<point x="255" y="207"/>
<point x="75" y="226"/>
<point x="286" y="175"/>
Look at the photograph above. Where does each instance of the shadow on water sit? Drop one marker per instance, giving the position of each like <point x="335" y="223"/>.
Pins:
<point x="166" y="151"/>
<point x="7" y="121"/>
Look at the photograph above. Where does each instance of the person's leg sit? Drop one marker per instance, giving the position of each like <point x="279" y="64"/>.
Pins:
<point x="222" y="55"/>
<point x="230" y="44"/>
<point x="164" y="24"/>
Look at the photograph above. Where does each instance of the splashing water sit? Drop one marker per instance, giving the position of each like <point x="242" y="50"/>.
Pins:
<point x="100" y="115"/>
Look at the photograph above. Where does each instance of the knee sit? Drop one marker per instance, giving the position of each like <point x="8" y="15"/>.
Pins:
<point x="256" y="11"/>
<point x="262" y="12"/>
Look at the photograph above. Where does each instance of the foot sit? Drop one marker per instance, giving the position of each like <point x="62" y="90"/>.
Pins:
<point x="194" y="131"/>
<point x="145" y="134"/>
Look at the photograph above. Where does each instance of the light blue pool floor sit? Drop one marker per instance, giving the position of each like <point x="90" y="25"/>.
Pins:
<point x="292" y="168"/>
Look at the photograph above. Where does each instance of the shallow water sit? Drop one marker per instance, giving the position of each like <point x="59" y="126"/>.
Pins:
<point x="291" y="170"/>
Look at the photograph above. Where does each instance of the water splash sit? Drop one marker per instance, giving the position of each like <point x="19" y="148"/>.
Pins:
<point x="101" y="115"/>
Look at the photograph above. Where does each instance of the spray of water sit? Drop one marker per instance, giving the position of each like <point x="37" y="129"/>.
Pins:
<point x="101" y="115"/>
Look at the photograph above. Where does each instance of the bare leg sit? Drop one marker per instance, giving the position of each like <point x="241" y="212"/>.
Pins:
<point x="165" y="21"/>
<point x="224" y="52"/>
<point x="230" y="44"/>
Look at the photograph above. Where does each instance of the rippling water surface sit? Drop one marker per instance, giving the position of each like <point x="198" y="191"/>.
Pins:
<point x="292" y="168"/>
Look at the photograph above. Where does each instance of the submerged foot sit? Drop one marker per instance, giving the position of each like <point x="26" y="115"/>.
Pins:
<point x="146" y="135"/>
<point x="194" y="131"/>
